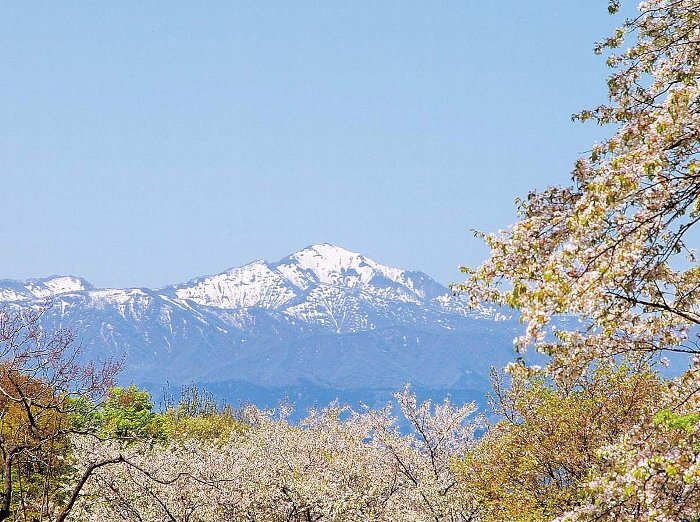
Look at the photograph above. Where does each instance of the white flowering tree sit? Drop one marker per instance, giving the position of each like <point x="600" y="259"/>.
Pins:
<point x="336" y="465"/>
<point x="613" y="249"/>
<point x="612" y="246"/>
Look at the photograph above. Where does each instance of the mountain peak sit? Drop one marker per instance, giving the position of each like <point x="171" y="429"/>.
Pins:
<point x="332" y="265"/>
<point x="44" y="288"/>
<point x="325" y="253"/>
<point x="322" y="320"/>
<point x="60" y="284"/>
<point x="328" y="250"/>
<point x="324" y="258"/>
<point x="322" y="284"/>
<point x="307" y="279"/>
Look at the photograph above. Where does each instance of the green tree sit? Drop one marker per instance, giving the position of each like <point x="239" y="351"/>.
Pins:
<point x="41" y="389"/>
<point x="127" y="414"/>
<point x="533" y="464"/>
<point x="197" y="415"/>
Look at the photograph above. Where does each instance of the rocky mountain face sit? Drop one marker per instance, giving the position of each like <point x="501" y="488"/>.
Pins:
<point x="320" y="324"/>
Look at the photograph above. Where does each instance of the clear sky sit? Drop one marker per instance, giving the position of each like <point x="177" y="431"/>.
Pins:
<point x="145" y="143"/>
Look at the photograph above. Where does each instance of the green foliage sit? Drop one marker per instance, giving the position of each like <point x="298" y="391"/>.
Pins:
<point x="197" y="415"/>
<point x="84" y="416"/>
<point x="532" y="465"/>
<point x="128" y="414"/>
<point x="687" y="423"/>
<point x="216" y="427"/>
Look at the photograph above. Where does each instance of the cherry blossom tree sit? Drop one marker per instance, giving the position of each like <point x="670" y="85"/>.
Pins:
<point x="612" y="246"/>
<point x="336" y="465"/>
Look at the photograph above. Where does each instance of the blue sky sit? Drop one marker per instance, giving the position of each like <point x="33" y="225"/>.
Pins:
<point x="145" y="143"/>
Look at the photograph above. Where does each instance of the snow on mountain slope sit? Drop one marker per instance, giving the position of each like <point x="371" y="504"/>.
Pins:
<point x="322" y="285"/>
<point x="255" y="284"/>
<point x="330" y="265"/>
<point x="55" y="285"/>
<point x="46" y="288"/>
<point x="323" y="318"/>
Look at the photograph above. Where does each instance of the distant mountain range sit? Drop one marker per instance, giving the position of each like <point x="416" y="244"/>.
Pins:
<point x="320" y="324"/>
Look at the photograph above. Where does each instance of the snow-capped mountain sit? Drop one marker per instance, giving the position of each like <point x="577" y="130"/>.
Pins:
<point x="326" y="287"/>
<point x="15" y="291"/>
<point x="320" y="323"/>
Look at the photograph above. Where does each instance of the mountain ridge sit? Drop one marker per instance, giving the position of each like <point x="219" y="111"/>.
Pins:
<point x="321" y="318"/>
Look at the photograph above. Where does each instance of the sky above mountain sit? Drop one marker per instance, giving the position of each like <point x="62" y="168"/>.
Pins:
<point x="144" y="142"/>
